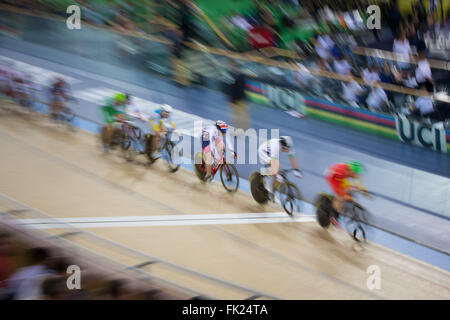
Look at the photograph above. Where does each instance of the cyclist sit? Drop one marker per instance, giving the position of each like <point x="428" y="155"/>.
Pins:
<point x="269" y="156"/>
<point x="113" y="110"/>
<point x="213" y="146"/>
<point x="337" y="177"/>
<point x="60" y="94"/>
<point x="160" y="121"/>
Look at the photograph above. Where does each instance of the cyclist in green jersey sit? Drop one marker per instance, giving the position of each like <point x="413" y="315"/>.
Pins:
<point x="113" y="111"/>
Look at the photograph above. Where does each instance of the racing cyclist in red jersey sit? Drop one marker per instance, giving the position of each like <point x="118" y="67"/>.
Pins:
<point x="337" y="177"/>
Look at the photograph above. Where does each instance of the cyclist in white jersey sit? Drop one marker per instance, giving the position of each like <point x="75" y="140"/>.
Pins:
<point x="269" y="156"/>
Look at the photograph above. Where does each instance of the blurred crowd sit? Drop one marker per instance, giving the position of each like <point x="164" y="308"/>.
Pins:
<point x="328" y="47"/>
<point x="31" y="272"/>
<point x="335" y="54"/>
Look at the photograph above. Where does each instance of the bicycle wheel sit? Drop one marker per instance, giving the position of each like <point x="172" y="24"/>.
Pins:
<point x="173" y="156"/>
<point x="257" y="189"/>
<point x="137" y="133"/>
<point x="229" y="177"/>
<point x="356" y="217"/>
<point x="288" y="193"/>
<point x="126" y="142"/>
<point x="199" y="166"/>
<point x="323" y="209"/>
<point x="130" y="152"/>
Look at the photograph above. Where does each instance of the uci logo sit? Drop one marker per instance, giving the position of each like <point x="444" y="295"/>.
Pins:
<point x="420" y="134"/>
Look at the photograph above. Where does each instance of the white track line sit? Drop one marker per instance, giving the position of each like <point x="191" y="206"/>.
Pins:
<point x="172" y="220"/>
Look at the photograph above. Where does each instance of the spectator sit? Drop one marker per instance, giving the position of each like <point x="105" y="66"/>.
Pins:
<point x="240" y="118"/>
<point x="377" y="98"/>
<point x="423" y="105"/>
<point x="322" y="52"/>
<point x="386" y="75"/>
<point x="323" y="46"/>
<point x="240" y="22"/>
<point x="402" y="49"/>
<point x="352" y="92"/>
<point x="423" y="70"/>
<point x="186" y="23"/>
<point x="341" y="66"/>
<point x="180" y="71"/>
<point x="26" y="283"/>
<point x="5" y="266"/>
<point x="395" y="18"/>
<point x="371" y="74"/>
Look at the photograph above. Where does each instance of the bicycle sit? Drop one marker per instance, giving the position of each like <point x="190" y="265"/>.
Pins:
<point x="167" y="147"/>
<point x="355" y="216"/>
<point x="129" y="138"/>
<point x="288" y="191"/>
<point x="227" y="171"/>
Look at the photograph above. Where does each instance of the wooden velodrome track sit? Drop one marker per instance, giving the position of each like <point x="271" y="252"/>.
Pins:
<point x="66" y="175"/>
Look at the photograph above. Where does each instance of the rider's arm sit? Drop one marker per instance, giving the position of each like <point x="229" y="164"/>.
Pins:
<point x="358" y="183"/>
<point x="228" y="142"/>
<point x="154" y="125"/>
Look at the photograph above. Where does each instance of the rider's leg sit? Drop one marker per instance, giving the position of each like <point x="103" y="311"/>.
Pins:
<point x="155" y="143"/>
<point x="209" y="159"/>
<point x="207" y="155"/>
<point x="270" y="173"/>
<point x="338" y="203"/>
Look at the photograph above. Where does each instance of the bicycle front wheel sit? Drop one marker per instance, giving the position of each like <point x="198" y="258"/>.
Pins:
<point x="289" y="194"/>
<point x="356" y="217"/>
<point x="173" y="156"/>
<point x="229" y="177"/>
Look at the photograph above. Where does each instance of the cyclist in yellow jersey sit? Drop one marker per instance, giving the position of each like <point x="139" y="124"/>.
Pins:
<point x="159" y="122"/>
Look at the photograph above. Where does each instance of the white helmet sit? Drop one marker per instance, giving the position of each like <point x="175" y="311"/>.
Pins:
<point x="166" y="108"/>
<point x="286" y="141"/>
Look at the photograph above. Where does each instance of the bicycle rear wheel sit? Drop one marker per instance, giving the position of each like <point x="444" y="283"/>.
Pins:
<point x="257" y="189"/>
<point x="199" y="166"/>
<point x="323" y="209"/>
<point x="229" y="177"/>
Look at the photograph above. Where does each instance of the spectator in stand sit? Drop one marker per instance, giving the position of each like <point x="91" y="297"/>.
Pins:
<point x="386" y="75"/>
<point x="423" y="70"/>
<point x="186" y="20"/>
<point x="352" y="92"/>
<point x="240" y="119"/>
<point x="240" y="22"/>
<point x="5" y="264"/>
<point x="423" y="105"/>
<point x="325" y="45"/>
<point x="341" y="66"/>
<point x="377" y="98"/>
<point x="371" y="74"/>
<point x="395" y="18"/>
<point x="181" y="76"/>
<point x="322" y="52"/>
<point x="26" y="283"/>
<point x="402" y="50"/>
